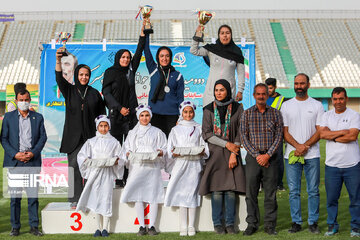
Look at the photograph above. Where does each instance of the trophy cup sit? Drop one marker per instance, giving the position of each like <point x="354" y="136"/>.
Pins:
<point x="146" y="13"/>
<point x="63" y="38"/>
<point x="203" y="17"/>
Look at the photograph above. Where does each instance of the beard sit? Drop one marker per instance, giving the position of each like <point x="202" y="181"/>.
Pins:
<point x="301" y="92"/>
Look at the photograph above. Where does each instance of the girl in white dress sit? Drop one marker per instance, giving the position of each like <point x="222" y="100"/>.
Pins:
<point x="143" y="152"/>
<point x="186" y="152"/>
<point x="98" y="162"/>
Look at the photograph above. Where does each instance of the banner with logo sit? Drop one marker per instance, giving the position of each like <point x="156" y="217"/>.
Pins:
<point x="193" y="69"/>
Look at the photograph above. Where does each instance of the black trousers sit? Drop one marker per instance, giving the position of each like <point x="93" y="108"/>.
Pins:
<point x="164" y="122"/>
<point x="280" y="157"/>
<point x="76" y="184"/>
<point x="254" y="174"/>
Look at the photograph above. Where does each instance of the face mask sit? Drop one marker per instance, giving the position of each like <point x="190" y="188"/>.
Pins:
<point x="23" y="106"/>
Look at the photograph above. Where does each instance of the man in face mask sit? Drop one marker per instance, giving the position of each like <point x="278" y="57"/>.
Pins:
<point x="23" y="137"/>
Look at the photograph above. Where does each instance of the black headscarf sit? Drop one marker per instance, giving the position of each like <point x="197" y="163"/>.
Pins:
<point x="78" y="85"/>
<point x="223" y="104"/>
<point x="229" y="51"/>
<point x="119" y="74"/>
<point x="159" y="93"/>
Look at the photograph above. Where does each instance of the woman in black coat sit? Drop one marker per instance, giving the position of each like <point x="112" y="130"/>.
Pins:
<point x="119" y="93"/>
<point x="83" y="105"/>
<point x="119" y="90"/>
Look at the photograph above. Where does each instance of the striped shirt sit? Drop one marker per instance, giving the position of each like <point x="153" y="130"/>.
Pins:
<point x="261" y="132"/>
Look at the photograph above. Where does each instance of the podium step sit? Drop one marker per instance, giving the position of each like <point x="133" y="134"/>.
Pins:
<point x="58" y="217"/>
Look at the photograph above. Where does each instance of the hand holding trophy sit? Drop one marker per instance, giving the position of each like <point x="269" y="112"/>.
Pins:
<point x="203" y="17"/>
<point x="63" y="37"/>
<point x="145" y="12"/>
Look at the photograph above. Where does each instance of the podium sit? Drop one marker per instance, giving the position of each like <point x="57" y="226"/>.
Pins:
<point x="58" y="217"/>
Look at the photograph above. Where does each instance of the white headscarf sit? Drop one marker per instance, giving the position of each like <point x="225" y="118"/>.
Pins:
<point x="102" y="118"/>
<point x="141" y="130"/>
<point x="142" y="108"/>
<point x="181" y="120"/>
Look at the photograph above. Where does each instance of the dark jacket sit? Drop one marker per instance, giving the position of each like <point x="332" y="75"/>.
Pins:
<point x="170" y="104"/>
<point x="119" y="88"/>
<point x="79" y="120"/>
<point x="10" y="138"/>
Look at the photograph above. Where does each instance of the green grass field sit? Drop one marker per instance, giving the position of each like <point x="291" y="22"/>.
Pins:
<point x="283" y="223"/>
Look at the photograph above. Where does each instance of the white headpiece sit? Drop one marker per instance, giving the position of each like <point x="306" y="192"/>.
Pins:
<point x="181" y="120"/>
<point x="102" y="118"/>
<point x="142" y="108"/>
<point x="185" y="104"/>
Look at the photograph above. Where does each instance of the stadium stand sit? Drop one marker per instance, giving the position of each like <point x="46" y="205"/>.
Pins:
<point x="327" y="50"/>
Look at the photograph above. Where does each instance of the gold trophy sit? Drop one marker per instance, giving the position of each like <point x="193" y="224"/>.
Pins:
<point x="146" y="13"/>
<point x="63" y="38"/>
<point x="203" y="17"/>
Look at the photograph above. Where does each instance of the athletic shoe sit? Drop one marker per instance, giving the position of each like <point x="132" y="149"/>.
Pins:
<point x="152" y="231"/>
<point x="142" y="231"/>
<point x="355" y="232"/>
<point x="331" y="231"/>
<point x="191" y="231"/>
<point x="184" y="232"/>
<point x="295" y="228"/>
<point x="219" y="229"/>
<point x="15" y="232"/>
<point x="314" y="228"/>
<point x="230" y="229"/>
<point x="97" y="233"/>
<point x="104" y="233"/>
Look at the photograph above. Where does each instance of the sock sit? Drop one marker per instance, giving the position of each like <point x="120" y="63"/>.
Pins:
<point x="139" y="206"/>
<point x="192" y="215"/>
<point x="183" y="217"/>
<point x="99" y="221"/>
<point x="106" y="223"/>
<point x="153" y="214"/>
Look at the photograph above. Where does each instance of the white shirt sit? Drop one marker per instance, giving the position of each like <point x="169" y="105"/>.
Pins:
<point x="341" y="155"/>
<point x="301" y="118"/>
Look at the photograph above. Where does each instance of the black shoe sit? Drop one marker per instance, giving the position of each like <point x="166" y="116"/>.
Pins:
<point x="230" y="229"/>
<point x="104" y="233"/>
<point x="270" y="230"/>
<point x="249" y="231"/>
<point x="142" y="231"/>
<point x="219" y="229"/>
<point x="314" y="228"/>
<point x="97" y="233"/>
<point x="281" y="188"/>
<point x="152" y="231"/>
<point x="120" y="183"/>
<point x="35" y="231"/>
<point x="295" y="228"/>
<point x="15" y="232"/>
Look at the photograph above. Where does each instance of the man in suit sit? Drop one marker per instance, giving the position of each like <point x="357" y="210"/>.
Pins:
<point x="23" y="137"/>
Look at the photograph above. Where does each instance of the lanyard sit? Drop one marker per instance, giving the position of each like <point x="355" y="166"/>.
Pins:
<point x="83" y="97"/>
<point x="166" y="77"/>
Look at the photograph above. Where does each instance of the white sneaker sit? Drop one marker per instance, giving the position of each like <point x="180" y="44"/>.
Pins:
<point x="191" y="231"/>
<point x="183" y="232"/>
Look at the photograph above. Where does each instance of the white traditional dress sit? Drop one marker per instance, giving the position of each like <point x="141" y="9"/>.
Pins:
<point x="96" y="161"/>
<point x="183" y="188"/>
<point x="144" y="183"/>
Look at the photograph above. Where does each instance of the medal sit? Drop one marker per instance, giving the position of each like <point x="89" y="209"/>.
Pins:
<point x="167" y="89"/>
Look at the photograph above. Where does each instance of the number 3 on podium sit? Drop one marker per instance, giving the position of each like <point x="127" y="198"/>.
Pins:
<point x="77" y="219"/>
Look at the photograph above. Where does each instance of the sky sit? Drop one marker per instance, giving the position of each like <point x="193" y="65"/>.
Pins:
<point x="117" y="5"/>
